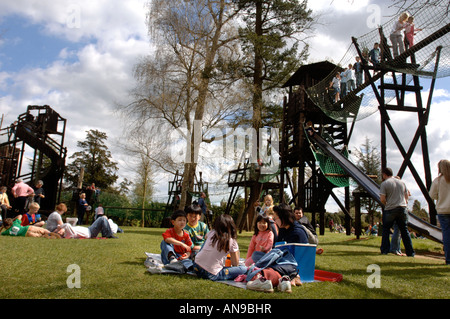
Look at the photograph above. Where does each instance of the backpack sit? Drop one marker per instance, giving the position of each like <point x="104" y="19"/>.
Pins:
<point x="280" y="260"/>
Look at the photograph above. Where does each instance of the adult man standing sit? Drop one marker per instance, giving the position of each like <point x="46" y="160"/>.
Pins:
<point x="202" y="203"/>
<point x="39" y="192"/>
<point x="374" y="54"/>
<point x="394" y="197"/>
<point x="204" y="207"/>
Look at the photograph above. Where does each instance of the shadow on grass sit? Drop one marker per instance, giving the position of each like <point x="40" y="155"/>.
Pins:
<point x="366" y="243"/>
<point x="138" y="261"/>
<point x="350" y="253"/>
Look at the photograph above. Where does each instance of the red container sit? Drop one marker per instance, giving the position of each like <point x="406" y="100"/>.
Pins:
<point x="322" y="275"/>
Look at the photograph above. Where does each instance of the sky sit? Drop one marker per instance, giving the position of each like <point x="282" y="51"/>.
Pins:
<point x="78" y="56"/>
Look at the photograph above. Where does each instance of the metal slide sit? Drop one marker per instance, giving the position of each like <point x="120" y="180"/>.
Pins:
<point x="425" y="229"/>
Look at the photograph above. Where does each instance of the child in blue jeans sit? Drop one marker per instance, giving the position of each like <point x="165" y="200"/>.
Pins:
<point x="176" y="244"/>
<point x="221" y="241"/>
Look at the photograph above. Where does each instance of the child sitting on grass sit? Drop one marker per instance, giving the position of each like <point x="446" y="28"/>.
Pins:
<point x="32" y="217"/>
<point x="262" y="240"/>
<point x="196" y="229"/>
<point x="221" y="241"/>
<point x="14" y="228"/>
<point x="176" y="244"/>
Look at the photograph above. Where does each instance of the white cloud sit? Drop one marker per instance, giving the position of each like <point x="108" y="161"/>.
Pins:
<point x="338" y="5"/>
<point x="75" y="20"/>
<point x="83" y="84"/>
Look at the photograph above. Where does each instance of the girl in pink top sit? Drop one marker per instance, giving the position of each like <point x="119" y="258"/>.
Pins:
<point x="262" y="240"/>
<point x="410" y="32"/>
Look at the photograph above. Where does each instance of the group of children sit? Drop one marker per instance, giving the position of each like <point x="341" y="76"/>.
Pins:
<point x="350" y="78"/>
<point x="346" y="81"/>
<point x="30" y="224"/>
<point x="214" y="254"/>
<point x="27" y="225"/>
<point x="23" y="196"/>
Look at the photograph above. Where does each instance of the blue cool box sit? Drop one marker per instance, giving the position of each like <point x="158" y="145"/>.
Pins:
<point x="305" y="255"/>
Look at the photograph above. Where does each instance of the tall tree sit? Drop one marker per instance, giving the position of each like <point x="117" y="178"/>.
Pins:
<point x="270" y="38"/>
<point x="419" y="211"/>
<point x="368" y="160"/>
<point x="95" y="158"/>
<point x="182" y="82"/>
<point x="139" y="145"/>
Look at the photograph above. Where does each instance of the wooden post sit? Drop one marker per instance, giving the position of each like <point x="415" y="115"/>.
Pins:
<point x="80" y="178"/>
<point x="357" y="196"/>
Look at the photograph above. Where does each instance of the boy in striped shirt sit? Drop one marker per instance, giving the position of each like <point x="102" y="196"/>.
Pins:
<point x="196" y="229"/>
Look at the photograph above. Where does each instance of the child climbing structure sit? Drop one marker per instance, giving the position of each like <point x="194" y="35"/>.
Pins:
<point x="42" y="130"/>
<point x="383" y="88"/>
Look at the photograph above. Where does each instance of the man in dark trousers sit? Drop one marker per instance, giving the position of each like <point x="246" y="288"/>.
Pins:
<point x="394" y="197"/>
<point x="202" y="203"/>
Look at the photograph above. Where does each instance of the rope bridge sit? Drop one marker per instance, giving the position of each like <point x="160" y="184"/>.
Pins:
<point x="432" y="46"/>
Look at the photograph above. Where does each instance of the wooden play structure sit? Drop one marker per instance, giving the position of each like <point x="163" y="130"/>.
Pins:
<point x="316" y="128"/>
<point x="39" y="133"/>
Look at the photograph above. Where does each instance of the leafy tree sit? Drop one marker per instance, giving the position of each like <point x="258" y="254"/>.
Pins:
<point x="419" y="211"/>
<point x="369" y="161"/>
<point x="96" y="160"/>
<point x="270" y="36"/>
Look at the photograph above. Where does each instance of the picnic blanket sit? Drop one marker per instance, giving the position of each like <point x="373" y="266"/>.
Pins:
<point x="154" y="265"/>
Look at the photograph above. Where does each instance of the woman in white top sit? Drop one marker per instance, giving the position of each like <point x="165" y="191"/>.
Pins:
<point x="101" y="225"/>
<point x="397" y="36"/>
<point x="440" y="191"/>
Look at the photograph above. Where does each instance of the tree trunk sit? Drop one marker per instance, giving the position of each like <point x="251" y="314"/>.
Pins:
<point x="257" y="110"/>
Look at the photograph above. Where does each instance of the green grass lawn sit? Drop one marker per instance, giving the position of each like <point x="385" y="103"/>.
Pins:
<point x="114" y="268"/>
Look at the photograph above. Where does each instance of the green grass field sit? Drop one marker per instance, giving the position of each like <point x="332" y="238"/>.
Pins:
<point x="114" y="268"/>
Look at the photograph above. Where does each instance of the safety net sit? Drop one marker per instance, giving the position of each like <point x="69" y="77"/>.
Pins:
<point x="330" y="169"/>
<point x="431" y="45"/>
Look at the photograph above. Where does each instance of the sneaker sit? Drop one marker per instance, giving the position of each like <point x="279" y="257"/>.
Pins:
<point x="151" y="262"/>
<point x="284" y="284"/>
<point x="260" y="284"/>
<point x="156" y="269"/>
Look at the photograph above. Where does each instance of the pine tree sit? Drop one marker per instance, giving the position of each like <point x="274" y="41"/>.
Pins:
<point x="270" y="38"/>
<point x="96" y="160"/>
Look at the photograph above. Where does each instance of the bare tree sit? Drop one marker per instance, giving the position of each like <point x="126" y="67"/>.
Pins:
<point x="183" y="83"/>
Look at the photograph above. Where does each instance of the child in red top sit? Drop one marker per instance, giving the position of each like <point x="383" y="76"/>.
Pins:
<point x="262" y="240"/>
<point x="177" y="243"/>
<point x="32" y="217"/>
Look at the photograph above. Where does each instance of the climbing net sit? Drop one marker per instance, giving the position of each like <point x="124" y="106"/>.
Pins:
<point x="431" y="46"/>
<point x="332" y="171"/>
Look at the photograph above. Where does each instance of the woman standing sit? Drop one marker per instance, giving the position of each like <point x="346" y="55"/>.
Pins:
<point x="440" y="191"/>
<point x="397" y="36"/>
